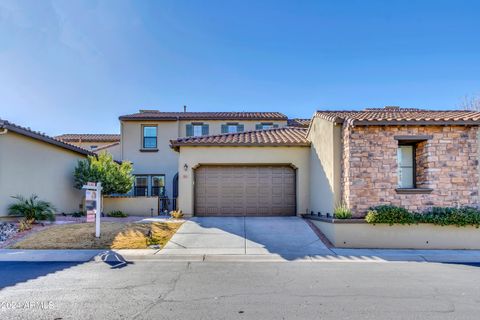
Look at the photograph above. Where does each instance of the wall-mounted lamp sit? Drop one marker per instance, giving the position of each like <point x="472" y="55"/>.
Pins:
<point x="185" y="167"/>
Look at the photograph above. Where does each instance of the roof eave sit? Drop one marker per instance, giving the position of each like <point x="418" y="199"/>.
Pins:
<point x="177" y="145"/>
<point x="46" y="139"/>
<point x="415" y="122"/>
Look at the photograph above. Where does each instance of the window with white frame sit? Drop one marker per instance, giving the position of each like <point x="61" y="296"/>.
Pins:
<point x="406" y="166"/>
<point x="266" y="125"/>
<point x="197" y="130"/>
<point x="232" y="128"/>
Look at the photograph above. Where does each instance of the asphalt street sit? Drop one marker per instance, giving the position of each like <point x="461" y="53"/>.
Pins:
<point x="249" y="290"/>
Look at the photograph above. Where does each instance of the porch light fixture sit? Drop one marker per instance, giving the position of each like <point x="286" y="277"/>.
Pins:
<point x="185" y="167"/>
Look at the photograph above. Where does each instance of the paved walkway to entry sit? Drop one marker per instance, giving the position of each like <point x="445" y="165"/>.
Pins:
<point x="240" y="236"/>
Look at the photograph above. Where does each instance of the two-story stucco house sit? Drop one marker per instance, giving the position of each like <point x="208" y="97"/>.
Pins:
<point x="146" y="135"/>
<point x="406" y="157"/>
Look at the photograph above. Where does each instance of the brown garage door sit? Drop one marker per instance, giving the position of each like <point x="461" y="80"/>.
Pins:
<point x="244" y="191"/>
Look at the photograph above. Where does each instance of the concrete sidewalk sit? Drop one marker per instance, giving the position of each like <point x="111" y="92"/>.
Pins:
<point x="336" y="255"/>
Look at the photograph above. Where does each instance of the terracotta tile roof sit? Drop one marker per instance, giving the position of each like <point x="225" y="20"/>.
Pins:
<point x="4" y="124"/>
<point x="157" y="115"/>
<point x="88" y="137"/>
<point x="401" y="116"/>
<point x="106" y="146"/>
<point x="301" y="123"/>
<point x="288" y="136"/>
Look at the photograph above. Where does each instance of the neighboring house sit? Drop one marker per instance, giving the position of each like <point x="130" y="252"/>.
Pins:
<point x="90" y="141"/>
<point x="113" y="148"/>
<point x="146" y="135"/>
<point x="300" y="123"/>
<point x="406" y="157"/>
<point x="34" y="163"/>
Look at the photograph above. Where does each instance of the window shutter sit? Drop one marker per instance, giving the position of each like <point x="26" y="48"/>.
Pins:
<point x="240" y="128"/>
<point x="224" y="128"/>
<point x="189" y="130"/>
<point x="258" y="127"/>
<point x="205" y="130"/>
<point x="275" y="125"/>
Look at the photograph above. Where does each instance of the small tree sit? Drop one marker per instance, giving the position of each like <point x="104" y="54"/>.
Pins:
<point x="115" y="177"/>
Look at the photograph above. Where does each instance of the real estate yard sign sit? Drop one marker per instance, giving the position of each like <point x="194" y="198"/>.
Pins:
<point x="92" y="203"/>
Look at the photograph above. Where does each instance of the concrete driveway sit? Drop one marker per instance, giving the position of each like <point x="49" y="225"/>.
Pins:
<point x="290" y="236"/>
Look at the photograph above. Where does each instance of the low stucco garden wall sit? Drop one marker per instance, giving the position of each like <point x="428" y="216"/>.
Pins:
<point x="133" y="206"/>
<point x="344" y="234"/>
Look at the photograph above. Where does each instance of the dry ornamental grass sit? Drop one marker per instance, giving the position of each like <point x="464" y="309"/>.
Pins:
<point x="114" y="235"/>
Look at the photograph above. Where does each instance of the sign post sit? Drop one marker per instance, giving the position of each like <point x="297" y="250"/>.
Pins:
<point x="93" y="196"/>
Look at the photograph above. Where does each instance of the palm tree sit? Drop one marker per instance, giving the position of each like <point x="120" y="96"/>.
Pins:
<point x="32" y="208"/>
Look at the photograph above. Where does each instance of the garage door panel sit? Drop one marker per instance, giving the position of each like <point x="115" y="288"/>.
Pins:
<point x="244" y="191"/>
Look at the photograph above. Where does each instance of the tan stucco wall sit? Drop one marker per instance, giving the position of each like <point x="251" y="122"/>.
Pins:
<point x="134" y="206"/>
<point x="215" y="126"/>
<point x="421" y="236"/>
<point x="325" y="166"/>
<point x="165" y="161"/>
<point x="87" y="145"/>
<point x="115" y="151"/>
<point x="29" y="166"/>
<point x="299" y="157"/>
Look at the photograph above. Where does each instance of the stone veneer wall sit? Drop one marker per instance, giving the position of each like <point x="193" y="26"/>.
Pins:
<point x="447" y="163"/>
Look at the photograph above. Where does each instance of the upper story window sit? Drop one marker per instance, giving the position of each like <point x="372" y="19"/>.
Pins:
<point x="266" y="125"/>
<point x="232" y="128"/>
<point x="149" y="137"/>
<point x="406" y="166"/>
<point x="197" y="129"/>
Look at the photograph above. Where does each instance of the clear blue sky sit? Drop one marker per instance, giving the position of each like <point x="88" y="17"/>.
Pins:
<point x="75" y="66"/>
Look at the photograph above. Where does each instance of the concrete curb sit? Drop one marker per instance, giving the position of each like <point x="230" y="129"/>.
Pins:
<point x="336" y="255"/>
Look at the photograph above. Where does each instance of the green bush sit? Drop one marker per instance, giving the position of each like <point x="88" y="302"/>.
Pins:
<point x="342" y="212"/>
<point x="78" y="214"/>
<point x="117" y="214"/>
<point x="443" y="216"/>
<point x="389" y="214"/>
<point x="462" y="216"/>
<point x="32" y="209"/>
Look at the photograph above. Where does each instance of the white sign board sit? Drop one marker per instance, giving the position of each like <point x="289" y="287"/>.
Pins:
<point x="92" y="203"/>
<point x="90" y="195"/>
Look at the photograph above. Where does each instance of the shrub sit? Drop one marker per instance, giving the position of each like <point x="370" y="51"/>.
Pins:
<point x="117" y="214"/>
<point x="444" y="216"/>
<point x="390" y="214"/>
<point x="78" y="214"/>
<point x="32" y="209"/>
<point x="342" y="212"/>
<point x="176" y="214"/>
